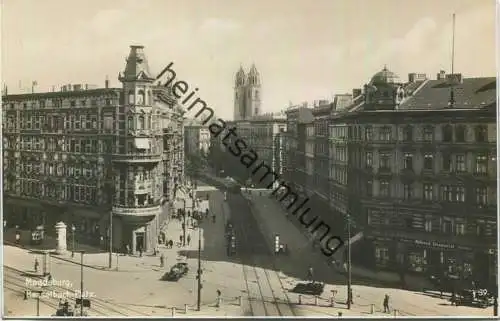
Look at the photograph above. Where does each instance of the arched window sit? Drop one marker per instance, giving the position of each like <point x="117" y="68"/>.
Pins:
<point x="130" y="122"/>
<point x="141" y="98"/>
<point x="447" y="133"/>
<point x="141" y="122"/>
<point x="131" y="99"/>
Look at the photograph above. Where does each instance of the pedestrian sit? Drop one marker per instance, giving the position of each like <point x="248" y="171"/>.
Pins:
<point x="386" y="304"/>
<point x="213" y="218"/>
<point x="171" y="243"/>
<point x="162" y="260"/>
<point x="36" y="265"/>
<point x="127" y="249"/>
<point x="180" y="239"/>
<point x="18" y="237"/>
<point x="140" y="251"/>
<point x="188" y="239"/>
<point x="310" y="274"/>
<point x="219" y="293"/>
<point x="154" y="251"/>
<point x="453" y="299"/>
<point x="206" y="213"/>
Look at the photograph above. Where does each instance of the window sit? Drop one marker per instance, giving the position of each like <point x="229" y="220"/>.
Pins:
<point x="460" y="134"/>
<point x="408" y="134"/>
<point x="130" y="122"/>
<point x="108" y="102"/>
<point x="428" y="134"/>
<point x="408" y="161"/>
<point x="447" y="166"/>
<point x="459" y="227"/>
<point x="460" y="163"/>
<point x="385" y="134"/>
<point x="446" y="193"/>
<point x="481" y="196"/>
<point x="384" y="189"/>
<point x="72" y="103"/>
<point x="428" y="224"/>
<point x="385" y="161"/>
<point x="447" y="133"/>
<point x="369" y="159"/>
<point x="428" y="192"/>
<point x="382" y="255"/>
<point x="368" y="133"/>
<point x="369" y="188"/>
<point x="460" y="196"/>
<point x="480" y="227"/>
<point x="481" y="134"/>
<point x="481" y="164"/>
<point x="408" y="191"/>
<point x="447" y="225"/>
<point x="428" y="161"/>
<point x="93" y="103"/>
<point x="141" y="122"/>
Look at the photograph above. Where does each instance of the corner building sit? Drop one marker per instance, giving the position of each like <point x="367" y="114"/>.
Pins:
<point x="84" y="155"/>
<point x="423" y="174"/>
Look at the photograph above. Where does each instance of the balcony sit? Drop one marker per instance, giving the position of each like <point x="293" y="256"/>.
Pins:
<point x="152" y="157"/>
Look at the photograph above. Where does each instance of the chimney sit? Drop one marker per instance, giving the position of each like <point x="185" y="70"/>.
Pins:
<point x="441" y="75"/>
<point x="106" y="82"/>
<point x="356" y="92"/>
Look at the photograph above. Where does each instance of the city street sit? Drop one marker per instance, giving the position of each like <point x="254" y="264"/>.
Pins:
<point x="271" y="219"/>
<point x="135" y="289"/>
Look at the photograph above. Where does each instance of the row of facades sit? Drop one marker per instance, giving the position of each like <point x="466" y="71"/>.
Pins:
<point x="414" y="166"/>
<point x="83" y="155"/>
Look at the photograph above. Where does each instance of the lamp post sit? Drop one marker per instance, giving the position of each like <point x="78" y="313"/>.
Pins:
<point x="184" y="224"/>
<point x="349" y="290"/>
<point x="73" y="229"/>
<point x="81" y="282"/>
<point x="37" y="297"/>
<point x="199" y="272"/>
<point x="110" y="258"/>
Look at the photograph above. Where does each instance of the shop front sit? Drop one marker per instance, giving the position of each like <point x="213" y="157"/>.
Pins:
<point x="417" y="256"/>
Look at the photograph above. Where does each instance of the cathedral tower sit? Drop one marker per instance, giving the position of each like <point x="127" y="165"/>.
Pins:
<point x="247" y="94"/>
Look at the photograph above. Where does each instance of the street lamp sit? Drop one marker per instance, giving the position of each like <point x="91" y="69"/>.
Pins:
<point x="81" y="282"/>
<point x="73" y="229"/>
<point x="349" y="289"/>
<point x="34" y="294"/>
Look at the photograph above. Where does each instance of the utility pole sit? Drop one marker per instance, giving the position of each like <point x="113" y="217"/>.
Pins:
<point x="199" y="258"/>
<point x="81" y="283"/>
<point x="110" y="259"/>
<point x="349" y="290"/>
<point x="184" y="224"/>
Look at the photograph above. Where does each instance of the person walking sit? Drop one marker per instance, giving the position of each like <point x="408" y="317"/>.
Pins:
<point x="188" y="239"/>
<point x="140" y="251"/>
<point x="310" y="274"/>
<point x="37" y="264"/>
<point x="219" y="294"/>
<point x="162" y="260"/>
<point x="386" y="304"/>
<point x="180" y="240"/>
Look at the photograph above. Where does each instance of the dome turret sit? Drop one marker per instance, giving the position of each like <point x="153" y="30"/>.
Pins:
<point x="385" y="76"/>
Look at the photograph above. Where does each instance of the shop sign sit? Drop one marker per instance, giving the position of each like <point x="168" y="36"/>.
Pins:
<point x="432" y="244"/>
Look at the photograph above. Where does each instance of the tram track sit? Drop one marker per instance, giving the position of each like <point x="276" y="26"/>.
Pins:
<point x="257" y="279"/>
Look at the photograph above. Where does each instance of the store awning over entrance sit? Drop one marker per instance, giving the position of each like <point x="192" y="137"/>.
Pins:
<point x="141" y="143"/>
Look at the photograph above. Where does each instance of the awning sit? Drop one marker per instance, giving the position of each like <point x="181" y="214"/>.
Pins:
<point x="141" y="143"/>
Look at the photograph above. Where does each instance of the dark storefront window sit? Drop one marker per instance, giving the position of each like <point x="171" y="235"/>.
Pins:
<point x="381" y="255"/>
<point x="417" y="260"/>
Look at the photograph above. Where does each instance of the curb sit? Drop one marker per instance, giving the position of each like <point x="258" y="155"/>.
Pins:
<point x="100" y="268"/>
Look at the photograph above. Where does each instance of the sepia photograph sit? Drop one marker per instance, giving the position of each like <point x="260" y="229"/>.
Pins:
<point x="224" y="159"/>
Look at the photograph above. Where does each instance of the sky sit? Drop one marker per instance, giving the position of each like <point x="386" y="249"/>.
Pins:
<point x="305" y="50"/>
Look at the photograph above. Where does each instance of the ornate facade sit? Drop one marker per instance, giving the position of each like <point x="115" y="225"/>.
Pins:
<point x="79" y="154"/>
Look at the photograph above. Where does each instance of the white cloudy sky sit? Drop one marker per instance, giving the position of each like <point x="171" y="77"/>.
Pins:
<point x="304" y="49"/>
